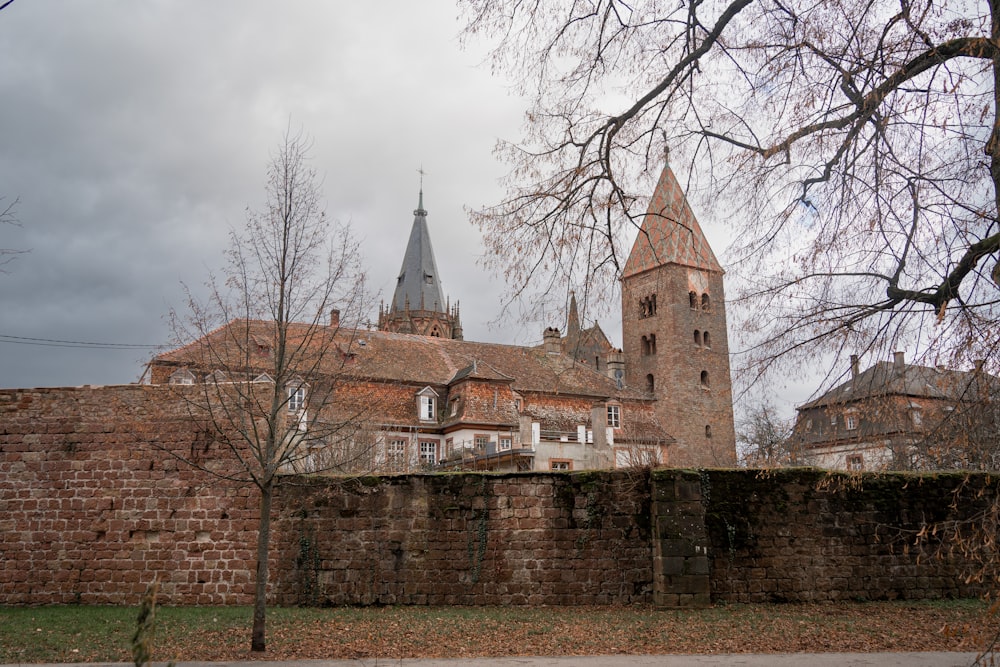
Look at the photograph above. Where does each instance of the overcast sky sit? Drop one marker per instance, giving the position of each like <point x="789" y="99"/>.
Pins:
<point x="135" y="134"/>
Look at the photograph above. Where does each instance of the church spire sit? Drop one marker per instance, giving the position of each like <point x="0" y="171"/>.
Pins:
<point x="573" y="320"/>
<point x="418" y="304"/>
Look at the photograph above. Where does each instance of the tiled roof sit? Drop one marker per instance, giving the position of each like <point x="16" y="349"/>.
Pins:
<point x="670" y="234"/>
<point x="405" y="358"/>
<point x="887" y="378"/>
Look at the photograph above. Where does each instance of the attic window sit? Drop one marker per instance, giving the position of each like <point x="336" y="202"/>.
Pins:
<point x="182" y="376"/>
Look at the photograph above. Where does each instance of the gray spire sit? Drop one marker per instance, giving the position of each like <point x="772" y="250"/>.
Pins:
<point x="418" y="280"/>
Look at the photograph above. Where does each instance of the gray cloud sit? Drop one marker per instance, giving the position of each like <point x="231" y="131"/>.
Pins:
<point x="136" y="134"/>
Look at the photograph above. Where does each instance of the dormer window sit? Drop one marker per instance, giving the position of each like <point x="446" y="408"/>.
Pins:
<point x="182" y="376"/>
<point x="427" y="405"/>
<point x="296" y="397"/>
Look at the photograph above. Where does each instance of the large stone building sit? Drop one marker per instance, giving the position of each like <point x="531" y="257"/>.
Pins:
<point x="431" y="399"/>
<point x="895" y="415"/>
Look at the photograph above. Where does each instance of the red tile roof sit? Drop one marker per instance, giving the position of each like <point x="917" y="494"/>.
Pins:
<point x="670" y="233"/>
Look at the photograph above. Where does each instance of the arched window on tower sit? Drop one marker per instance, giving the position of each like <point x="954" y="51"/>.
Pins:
<point x="652" y="343"/>
<point x="708" y="430"/>
<point x="697" y="338"/>
<point x="650" y="383"/>
<point x="693" y="299"/>
<point x="705" y="305"/>
<point x="706" y="339"/>
<point x="704" y="379"/>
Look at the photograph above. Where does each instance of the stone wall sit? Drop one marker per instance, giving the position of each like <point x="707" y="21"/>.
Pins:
<point x="804" y="534"/>
<point x="94" y="504"/>
<point x="465" y="539"/>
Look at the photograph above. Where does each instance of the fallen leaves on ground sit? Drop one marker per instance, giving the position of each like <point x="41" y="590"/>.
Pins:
<point x="416" y="632"/>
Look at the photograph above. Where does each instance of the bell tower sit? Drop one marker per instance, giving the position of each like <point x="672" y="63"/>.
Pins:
<point x="674" y="330"/>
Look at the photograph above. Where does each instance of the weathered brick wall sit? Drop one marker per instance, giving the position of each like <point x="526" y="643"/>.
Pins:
<point x="805" y="534"/>
<point x="512" y="539"/>
<point x="93" y="506"/>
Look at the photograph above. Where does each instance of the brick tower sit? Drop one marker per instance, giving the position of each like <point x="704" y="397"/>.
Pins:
<point x="674" y="330"/>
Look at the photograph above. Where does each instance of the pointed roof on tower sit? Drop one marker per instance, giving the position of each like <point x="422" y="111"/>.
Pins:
<point x="670" y="234"/>
<point x="573" y="319"/>
<point x="418" y="286"/>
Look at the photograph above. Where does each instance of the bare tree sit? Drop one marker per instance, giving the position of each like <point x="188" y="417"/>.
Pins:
<point x="7" y="217"/>
<point x="267" y="358"/>
<point x="853" y="145"/>
<point x="764" y="440"/>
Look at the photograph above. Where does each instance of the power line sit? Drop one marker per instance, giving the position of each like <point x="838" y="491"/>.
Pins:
<point x="52" y="342"/>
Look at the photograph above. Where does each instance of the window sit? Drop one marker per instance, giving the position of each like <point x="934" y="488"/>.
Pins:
<point x="645" y="346"/>
<point x="647" y="306"/>
<point x="395" y="454"/>
<point x="697" y="338"/>
<point x="614" y="416"/>
<point x="708" y="430"/>
<point x="296" y="398"/>
<point x="916" y="418"/>
<point x="453" y="406"/>
<point x="517" y="404"/>
<point x="481" y="441"/>
<point x="182" y="376"/>
<point x="704" y="379"/>
<point x="705" y="339"/>
<point x="427" y="408"/>
<point x="833" y="421"/>
<point x="652" y="343"/>
<point x="560" y="465"/>
<point x="851" y="421"/>
<point x="428" y="452"/>
<point x="855" y="462"/>
<point x="705" y="305"/>
<point x="650" y="382"/>
<point x="693" y="299"/>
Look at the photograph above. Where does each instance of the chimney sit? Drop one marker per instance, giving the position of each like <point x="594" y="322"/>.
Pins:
<point x="551" y="337"/>
<point x="334" y="318"/>
<point x="897" y="361"/>
<point x="855" y="369"/>
<point x="616" y="366"/>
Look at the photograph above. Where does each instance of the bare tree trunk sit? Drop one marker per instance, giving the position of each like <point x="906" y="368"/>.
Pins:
<point x="258" y="640"/>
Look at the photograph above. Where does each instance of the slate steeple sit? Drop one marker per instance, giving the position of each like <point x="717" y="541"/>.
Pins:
<point x="418" y="304"/>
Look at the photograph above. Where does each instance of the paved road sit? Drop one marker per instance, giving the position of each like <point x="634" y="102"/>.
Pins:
<point x="744" y="660"/>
